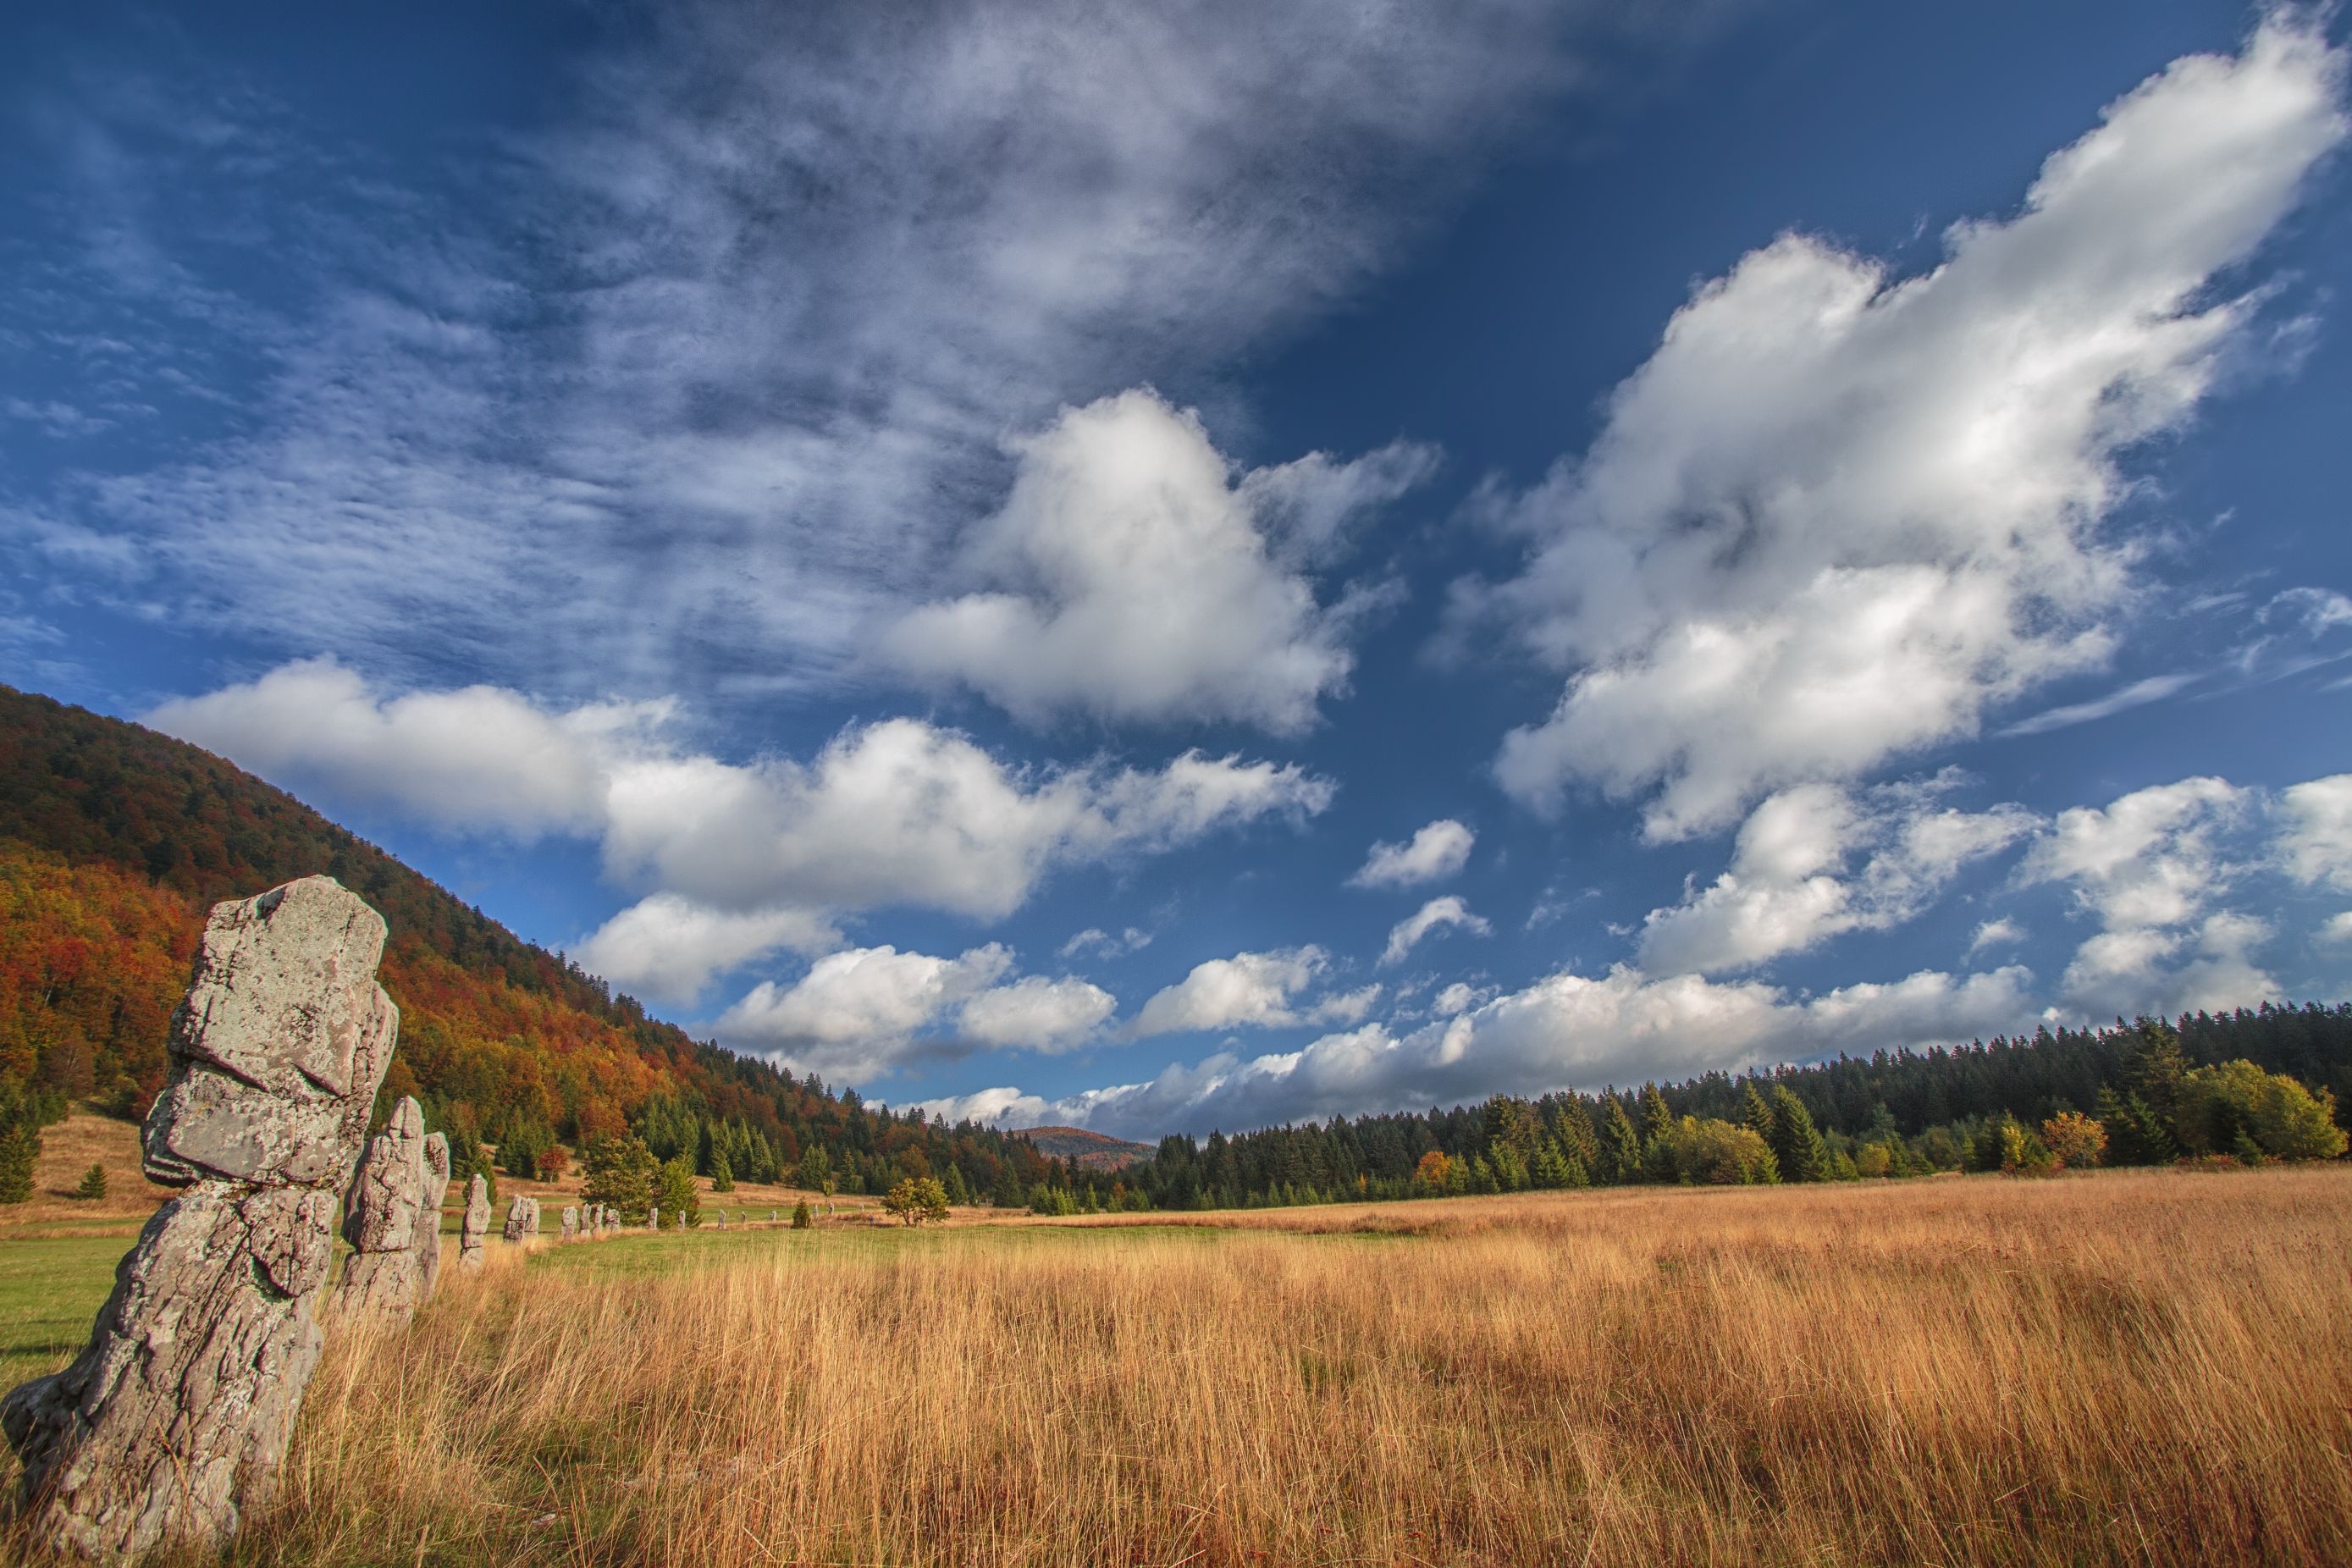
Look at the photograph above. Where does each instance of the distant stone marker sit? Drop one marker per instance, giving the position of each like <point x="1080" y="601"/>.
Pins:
<point x="477" y="1223"/>
<point x="570" y="1223"/>
<point x="178" y="1412"/>
<point x="389" y="1220"/>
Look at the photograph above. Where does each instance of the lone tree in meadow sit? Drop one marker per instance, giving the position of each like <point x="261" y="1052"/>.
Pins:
<point x="620" y="1172"/>
<point x="681" y="1201"/>
<point x="93" y="1182"/>
<point x="916" y="1199"/>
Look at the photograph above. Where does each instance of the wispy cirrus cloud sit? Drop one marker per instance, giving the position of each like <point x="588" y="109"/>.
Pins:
<point x="705" y="382"/>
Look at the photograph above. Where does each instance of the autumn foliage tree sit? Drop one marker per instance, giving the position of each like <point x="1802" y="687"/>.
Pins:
<point x="2075" y="1140"/>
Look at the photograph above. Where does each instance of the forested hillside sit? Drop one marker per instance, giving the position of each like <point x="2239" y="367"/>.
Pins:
<point x="114" y="841"/>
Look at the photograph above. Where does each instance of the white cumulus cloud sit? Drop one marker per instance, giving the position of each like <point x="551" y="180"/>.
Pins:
<point x="734" y="859"/>
<point x="1790" y="884"/>
<point x="1839" y="514"/>
<point x="2150" y="865"/>
<point x="2315" y="842"/>
<point x="1438" y="914"/>
<point x="1038" y="1013"/>
<point x="1248" y="990"/>
<point x="1434" y="854"/>
<point x="1128" y="576"/>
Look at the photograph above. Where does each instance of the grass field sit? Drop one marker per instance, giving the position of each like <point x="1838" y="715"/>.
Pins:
<point x="2124" y="1368"/>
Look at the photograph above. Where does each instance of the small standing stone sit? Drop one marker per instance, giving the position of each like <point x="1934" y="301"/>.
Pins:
<point x="570" y="1223"/>
<point x="477" y="1222"/>
<point x="436" y="1193"/>
<point x="653" y="1217"/>
<point x="387" y="1218"/>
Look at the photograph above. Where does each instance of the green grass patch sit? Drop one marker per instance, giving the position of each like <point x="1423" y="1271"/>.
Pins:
<point x="50" y="1292"/>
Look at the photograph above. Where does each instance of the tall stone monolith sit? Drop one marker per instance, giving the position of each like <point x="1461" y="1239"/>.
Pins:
<point x="177" y="1413"/>
<point x="477" y="1226"/>
<point x="387" y="1219"/>
<point x="427" y="1249"/>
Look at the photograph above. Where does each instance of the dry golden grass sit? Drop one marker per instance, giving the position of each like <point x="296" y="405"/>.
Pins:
<point x="68" y="1149"/>
<point x="2130" y="1368"/>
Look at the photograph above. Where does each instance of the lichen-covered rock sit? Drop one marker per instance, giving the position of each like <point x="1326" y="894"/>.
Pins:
<point x="570" y="1223"/>
<point x="388" y="1218"/>
<point x="427" y="1246"/>
<point x="477" y="1227"/>
<point x="177" y="1413"/>
<point x="653" y="1217"/>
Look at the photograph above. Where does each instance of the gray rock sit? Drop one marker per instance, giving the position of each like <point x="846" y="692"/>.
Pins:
<point x="570" y="1223"/>
<point x="388" y="1221"/>
<point x="428" y="1235"/>
<point x="653" y="1217"/>
<point x="477" y="1223"/>
<point x="177" y="1413"/>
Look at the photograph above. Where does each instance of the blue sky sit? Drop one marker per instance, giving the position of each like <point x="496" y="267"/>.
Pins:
<point x="1178" y="567"/>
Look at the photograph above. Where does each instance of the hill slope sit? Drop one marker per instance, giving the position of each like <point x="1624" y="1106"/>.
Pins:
<point x="115" y="842"/>
<point x="1092" y="1150"/>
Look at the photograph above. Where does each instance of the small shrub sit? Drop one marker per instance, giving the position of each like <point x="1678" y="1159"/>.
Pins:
<point x="93" y="1182"/>
<point x="801" y="1219"/>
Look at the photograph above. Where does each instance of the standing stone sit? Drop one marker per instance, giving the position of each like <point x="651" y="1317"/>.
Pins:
<point x="571" y="1224"/>
<point x="178" y="1412"/>
<point x="772" y="1216"/>
<point x="477" y="1222"/>
<point x="653" y="1217"/>
<point x="387" y="1219"/>
<point x="722" y="1219"/>
<point x="428" y="1239"/>
<point x="514" y="1219"/>
<point x="530" y="1216"/>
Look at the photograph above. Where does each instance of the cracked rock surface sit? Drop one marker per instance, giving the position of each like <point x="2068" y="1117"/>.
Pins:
<point x="177" y="1413"/>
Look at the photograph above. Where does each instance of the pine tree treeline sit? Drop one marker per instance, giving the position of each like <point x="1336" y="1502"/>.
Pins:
<point x="2157" y="1090"/>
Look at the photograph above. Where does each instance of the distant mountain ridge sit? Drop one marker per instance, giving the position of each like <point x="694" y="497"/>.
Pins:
<point x="1090" y="1151"/>
<point x="115" y="842"/>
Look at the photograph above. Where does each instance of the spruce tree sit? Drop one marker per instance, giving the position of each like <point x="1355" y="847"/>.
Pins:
<point x="20" y="1145"/>
<point x="1657" y="1122"/>
<point x="93" y="1182"/>
<point x="1796" y="1143"/>
<point x="722" y="1170"/>
<point x="1621" y="1147"/>
<point x="1755" y="1114"/>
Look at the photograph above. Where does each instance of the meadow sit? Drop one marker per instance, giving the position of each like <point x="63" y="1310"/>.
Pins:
<point x="2123" y="1368"/>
